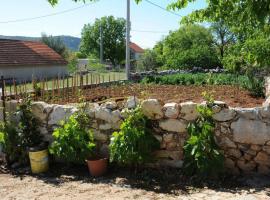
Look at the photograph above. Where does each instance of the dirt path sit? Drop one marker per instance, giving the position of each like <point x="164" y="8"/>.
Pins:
<point x="65" y="187"/>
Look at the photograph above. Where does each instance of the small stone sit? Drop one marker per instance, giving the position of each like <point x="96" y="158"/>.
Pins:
<point x="224" y="115"/>
<point x="234" y="152"/>
<point x="171" y="110"/>
<point x="255" y="147"/>
<point x="247" y="157"/>
<point x="168" y="137"/>
<point x="106" y="126"/>
<point x="171" y="145"/>
<point x="132" y="102"/>
<point x="173" y="125"/>
<point x="152" y="109"/>
<point x="171" y="163"/>
<point x="266" y="149"/>
<point x="110" y="105"/>
<point x="246" y="166"/>
<point x="226" y="142"/>
<point x="262" y="158"/>
<point x="189" y="111"/>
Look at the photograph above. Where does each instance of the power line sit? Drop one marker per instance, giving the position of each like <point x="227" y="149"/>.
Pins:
<point x="44" y="16"/>
<point x="149" y="31"/>
<point x="162" y="8"/>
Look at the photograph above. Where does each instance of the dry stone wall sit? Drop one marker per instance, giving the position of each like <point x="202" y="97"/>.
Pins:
<point x="243" y="134"/>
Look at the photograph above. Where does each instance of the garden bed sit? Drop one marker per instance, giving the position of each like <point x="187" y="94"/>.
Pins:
<point x="234" y="96"/>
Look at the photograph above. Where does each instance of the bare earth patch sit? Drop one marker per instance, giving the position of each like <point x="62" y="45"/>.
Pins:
<point x="232" y="95"/>
<point x="123" y="185"/>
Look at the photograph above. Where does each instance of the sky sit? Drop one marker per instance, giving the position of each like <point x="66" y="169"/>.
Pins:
<point x="144" y="17"/>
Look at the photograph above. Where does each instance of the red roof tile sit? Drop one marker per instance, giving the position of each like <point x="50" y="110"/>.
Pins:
<point x="18" y="53"/>
<point x="136" y="48"/>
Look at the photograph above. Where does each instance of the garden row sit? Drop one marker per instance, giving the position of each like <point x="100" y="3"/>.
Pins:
<point x="202" y="138"/>
<point x="254" y="85"/>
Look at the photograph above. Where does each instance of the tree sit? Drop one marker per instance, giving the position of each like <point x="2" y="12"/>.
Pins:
<point x="148" y="61"/>
<point x="113" y="33"/>
<point x="223" y="37"/>
<point x="56" y="44"/>
<point x="190" y="46"/>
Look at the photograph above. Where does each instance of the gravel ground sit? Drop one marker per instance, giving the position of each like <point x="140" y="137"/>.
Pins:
<point x="73" y="187"/>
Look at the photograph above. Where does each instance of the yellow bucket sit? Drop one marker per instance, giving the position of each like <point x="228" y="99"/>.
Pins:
<point x="39" y="161"/>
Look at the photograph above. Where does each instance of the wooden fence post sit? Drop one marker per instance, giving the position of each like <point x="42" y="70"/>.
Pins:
<point x="3" y="98"/>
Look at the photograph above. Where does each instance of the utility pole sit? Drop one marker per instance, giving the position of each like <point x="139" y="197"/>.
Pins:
<point x="101" y="43"/>
<point x="128" y="41"/>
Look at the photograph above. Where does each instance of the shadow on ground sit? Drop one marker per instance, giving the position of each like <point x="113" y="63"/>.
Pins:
<point x="167" y="181"/>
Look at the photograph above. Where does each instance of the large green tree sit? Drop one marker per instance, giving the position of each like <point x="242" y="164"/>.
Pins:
<point x="190" y="46"/>
<point x="113" y="33"/>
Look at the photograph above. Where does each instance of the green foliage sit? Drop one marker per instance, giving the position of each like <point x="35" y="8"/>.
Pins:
<point x="72" y="63"/>
<point x="19" y="138"/>
<point x="148" y="61"/>
<point x="56" y="44"/>
<point x="202" y="155"/>
<point x="12" y="143"/>
<point x="113" y="32"/>
<point x="134" y="143"/>
<point x="73" y="141"/>
<point x="190" y="46"/>
<point x="254" y="85"/>
<point x="95" y="65"/>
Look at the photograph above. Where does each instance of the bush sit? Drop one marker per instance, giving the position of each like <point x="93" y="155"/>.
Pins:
<point x="73" y="143"/>
<point x="202" y="155"/>
<point x="134" y="143"/>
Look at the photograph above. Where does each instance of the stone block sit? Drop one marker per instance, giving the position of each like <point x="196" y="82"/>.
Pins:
<point x="173" y="125"/>
<point x="189" y="111"/>
<point x="171" y="110"/>
<point x="152" y="109"/>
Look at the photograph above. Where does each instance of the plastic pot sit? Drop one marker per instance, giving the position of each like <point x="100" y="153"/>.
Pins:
<point x="39" y="160"/>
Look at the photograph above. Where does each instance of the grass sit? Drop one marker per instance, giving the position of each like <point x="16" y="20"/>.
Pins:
<point x="95" y="77"/>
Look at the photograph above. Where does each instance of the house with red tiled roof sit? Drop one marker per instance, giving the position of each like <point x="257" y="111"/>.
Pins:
<point x="135" y="51"/>
<point x="23" y="60"/>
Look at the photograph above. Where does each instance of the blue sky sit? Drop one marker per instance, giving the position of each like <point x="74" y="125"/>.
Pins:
<point x="144" y="16"/>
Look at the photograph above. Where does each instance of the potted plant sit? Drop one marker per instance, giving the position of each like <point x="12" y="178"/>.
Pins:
<point x="31" y="139"/>
<point x="74" y="143"/>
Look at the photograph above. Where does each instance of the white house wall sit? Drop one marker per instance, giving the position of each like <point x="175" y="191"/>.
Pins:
<point x="26" y="73"/>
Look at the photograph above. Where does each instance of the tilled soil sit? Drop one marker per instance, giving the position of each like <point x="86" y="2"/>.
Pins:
<point x="77" y="184"/>
<point x="232" y="95"/>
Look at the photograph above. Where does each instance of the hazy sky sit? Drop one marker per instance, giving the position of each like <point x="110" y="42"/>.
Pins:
<point x="144" y="17"/>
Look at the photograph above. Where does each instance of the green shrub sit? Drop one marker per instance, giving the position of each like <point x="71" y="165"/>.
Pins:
<point x="73" y="141"/>
<point x="134" y="143"/>
<point x="202" y="155"/>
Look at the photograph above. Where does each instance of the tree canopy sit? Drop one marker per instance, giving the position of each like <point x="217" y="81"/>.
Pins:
<point x="190" y="46"/>
<point x="113" y="32"/>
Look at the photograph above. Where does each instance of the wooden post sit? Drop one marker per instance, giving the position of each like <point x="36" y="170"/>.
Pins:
<point x="68" y="89"/>
<point x="3" y="98"/>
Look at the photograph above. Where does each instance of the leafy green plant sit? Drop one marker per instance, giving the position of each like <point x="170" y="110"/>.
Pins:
<point x="134" y="143"/>
<point x="73" y="141"/>
<point x="202" y="155"/>
<point x="12" y="143"/>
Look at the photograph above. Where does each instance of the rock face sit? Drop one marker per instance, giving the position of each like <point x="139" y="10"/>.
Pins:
<point x="262" y="158"/>
<point x="41" y="110"/>
<point x="173" y="125"/>
<point x="188" y="111"/>
<point x="152" y="109"/>
<point x="60" y="113"/>
<point x="250" y="131"/>
<point x="171" y="110"/>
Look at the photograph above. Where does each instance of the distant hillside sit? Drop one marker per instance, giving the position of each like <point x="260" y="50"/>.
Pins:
<point x="71" y="42"/>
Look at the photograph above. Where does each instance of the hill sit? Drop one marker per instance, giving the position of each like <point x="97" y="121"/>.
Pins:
<point x="71" y="42"/>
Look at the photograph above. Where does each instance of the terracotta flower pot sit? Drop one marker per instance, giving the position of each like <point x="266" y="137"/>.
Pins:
<point x="97" y="167"/>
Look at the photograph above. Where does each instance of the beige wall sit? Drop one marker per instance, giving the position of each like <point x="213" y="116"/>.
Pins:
<point x="26" y="72"/>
